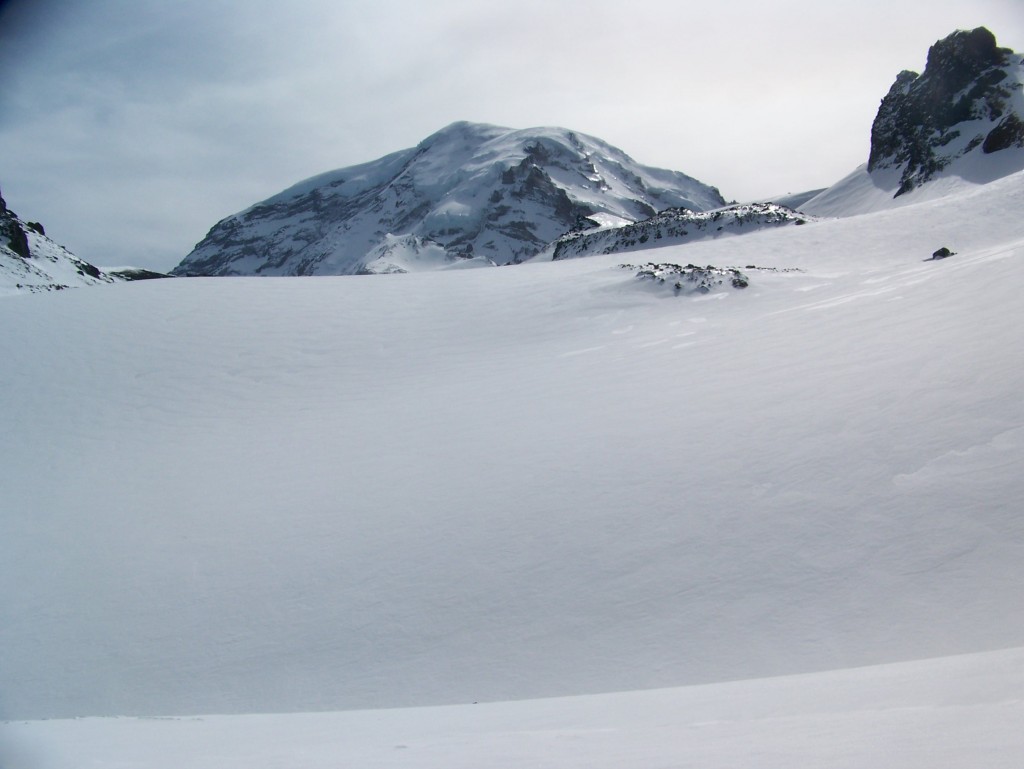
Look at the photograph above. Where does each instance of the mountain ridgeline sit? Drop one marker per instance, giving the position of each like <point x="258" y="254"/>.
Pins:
<point x="479" y="195"/>
<point x="476" y="195"/>
<point x="470" y="195"/>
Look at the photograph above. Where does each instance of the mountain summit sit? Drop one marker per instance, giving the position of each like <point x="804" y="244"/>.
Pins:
<point x="470" y="194"/>
<point x="967" y="99"/>
<point x="960" y="122"/>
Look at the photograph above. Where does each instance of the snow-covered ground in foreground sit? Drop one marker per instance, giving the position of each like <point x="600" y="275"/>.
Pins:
<point x="950" y="713"/>
<point x="266" y="495"/>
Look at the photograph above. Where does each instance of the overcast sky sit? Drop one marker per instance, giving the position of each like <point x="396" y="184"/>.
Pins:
<point x="130" y="127"/>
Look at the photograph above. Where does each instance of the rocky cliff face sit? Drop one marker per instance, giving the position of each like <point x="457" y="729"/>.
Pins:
<point x="12" y="234"/>
<point x="967" y="100"/>
<point x="469" y="194"/>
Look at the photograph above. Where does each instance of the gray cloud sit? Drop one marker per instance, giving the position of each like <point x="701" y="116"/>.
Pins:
<point x="130" y="128"/>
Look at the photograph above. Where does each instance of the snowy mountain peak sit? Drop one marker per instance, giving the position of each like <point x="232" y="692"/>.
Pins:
<point x="958" y="124"/>
<point x="960" y="56"/>
<point x="967" y="100"/>
<point x="475" y="191"/>
<point x="463" y="131"/>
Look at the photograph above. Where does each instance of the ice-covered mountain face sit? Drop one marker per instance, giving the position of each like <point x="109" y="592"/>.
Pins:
<point x="30" y="262"/>
<point x="670" y="228"/>
<point x="469" y="195"/>
<point x="968" y="99"/>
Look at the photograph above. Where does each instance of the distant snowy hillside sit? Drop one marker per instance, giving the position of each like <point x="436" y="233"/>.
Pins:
<point x="30" y="262"/>
<point x="960" y="123"/>
<point x="670" y="228"/>
<point x="470" y="192"/>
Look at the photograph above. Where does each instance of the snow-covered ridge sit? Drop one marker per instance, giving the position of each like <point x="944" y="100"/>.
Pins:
<point x="30" y="262"/>
<point x="672" y="227"/>
<point x="479" y="192"/>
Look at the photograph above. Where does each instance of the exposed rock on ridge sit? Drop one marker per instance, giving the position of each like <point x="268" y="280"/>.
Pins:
<point x="30" y="262"/>
<point x="470" y="192"/>
<point x="673" y="227"/>
<point x="12" y="234"/>
<point x="968" y="97"/>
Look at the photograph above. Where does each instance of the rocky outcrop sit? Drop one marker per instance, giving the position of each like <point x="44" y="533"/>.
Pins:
<point x="673" y="227"/>
<point x="475" y="193"/>
<point x="12" y="231"/>
<point x="966" y="100"/>
<point x="12" y="234"/>
<point x="30" y="262"/>
<point x="1009" y="133"/>
<point x="689" y="279"/>
<point x="130" y="274"/>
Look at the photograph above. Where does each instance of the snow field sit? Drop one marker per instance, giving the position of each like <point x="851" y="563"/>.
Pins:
<point x="266" y="495"/>
<point x="954" y="713"/>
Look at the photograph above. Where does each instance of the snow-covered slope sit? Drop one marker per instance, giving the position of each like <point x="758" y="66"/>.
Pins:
<point x="468" y="192"/>
<point x="952" y="713"/>
<point x="958" y="124"/>
<point x="669" y="228"/>
<point x="792" y="199"/>
<point x="30" y="262"/>
<point x="411" y="253"/>
<point x="235" y="495"/>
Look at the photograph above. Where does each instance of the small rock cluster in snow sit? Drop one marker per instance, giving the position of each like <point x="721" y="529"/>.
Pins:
<point x="690" y="279"/>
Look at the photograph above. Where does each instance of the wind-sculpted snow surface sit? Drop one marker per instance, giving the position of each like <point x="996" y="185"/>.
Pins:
<point x="950" y="713"/>
<point x="470" y="192"/>
<point x="237" y="495"/>
<point x="672" y="227"/>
